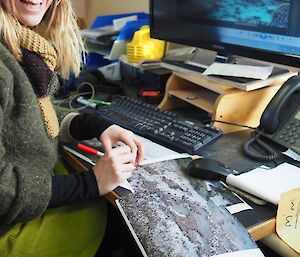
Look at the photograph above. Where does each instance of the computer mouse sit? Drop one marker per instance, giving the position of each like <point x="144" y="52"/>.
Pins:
<point x="205" y="168"/>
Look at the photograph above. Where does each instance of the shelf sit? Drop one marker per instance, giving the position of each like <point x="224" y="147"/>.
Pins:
<point x="201" y="98"/>
<point x="221" y="102"/>
<point x="206" y="83"/>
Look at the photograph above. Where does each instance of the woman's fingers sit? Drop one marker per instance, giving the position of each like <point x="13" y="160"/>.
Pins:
<point x="106" y="143"/>
<point x="136" y="146"/>
<point x="122" y="154"/>
<point x="115" y="134"/>
<point x="141" y="150"/>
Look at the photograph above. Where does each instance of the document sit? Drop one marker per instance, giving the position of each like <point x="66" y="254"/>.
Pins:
<point x="158" y="153"/>
<point x="121" y="22"/>
<point x="268" y="184"/>
<point x="237" y="70"/>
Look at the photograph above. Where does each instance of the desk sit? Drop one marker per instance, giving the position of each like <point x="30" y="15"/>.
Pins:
<point x="262" y="226"/>
<point x="258" y="230"/>
<point x="157" y="213"/>
<point x="258" y="227"/>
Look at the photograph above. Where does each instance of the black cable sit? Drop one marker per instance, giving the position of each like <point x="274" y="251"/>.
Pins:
<point x="271" y="153"/>
<point x="229" y="123"/>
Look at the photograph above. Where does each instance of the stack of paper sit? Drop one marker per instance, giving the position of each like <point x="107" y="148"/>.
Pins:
<point x="268" y="184"/>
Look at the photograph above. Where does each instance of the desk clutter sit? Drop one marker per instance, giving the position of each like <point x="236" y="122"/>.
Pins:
<point x="194" y="215"/>
<point x="107" y="37"/>
<point x="171" y="214"/>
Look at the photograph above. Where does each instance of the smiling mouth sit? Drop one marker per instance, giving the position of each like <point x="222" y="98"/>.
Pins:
<point x="32" y="2"/>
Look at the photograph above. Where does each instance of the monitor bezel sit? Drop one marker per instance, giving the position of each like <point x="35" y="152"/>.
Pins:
<point x="224" y="48"/>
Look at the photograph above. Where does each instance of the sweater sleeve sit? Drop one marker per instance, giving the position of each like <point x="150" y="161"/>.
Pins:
<point x="23" y="197"/>
<point x="82" y="126"/>
<point x="24" y="194"/>
<point x="87" y="126"/>
<point x="25" y="189"/>
<point x="74" y="188"/>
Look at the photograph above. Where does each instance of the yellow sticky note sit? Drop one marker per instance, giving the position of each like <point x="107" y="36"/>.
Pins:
<point x="288" y="219"/>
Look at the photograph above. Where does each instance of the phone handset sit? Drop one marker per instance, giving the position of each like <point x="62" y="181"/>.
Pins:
<point x="270" y="119"/>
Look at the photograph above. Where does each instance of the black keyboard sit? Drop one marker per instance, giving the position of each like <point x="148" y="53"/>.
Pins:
<point x="160" y="126"/>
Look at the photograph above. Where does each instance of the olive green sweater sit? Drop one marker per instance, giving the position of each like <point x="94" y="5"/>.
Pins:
<point x="27" y="154"/>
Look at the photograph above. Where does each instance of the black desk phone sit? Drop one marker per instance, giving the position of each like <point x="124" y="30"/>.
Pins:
<point x="279" y="123"/>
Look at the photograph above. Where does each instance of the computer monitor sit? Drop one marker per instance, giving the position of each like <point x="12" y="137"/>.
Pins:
<point x="262" y="29"/>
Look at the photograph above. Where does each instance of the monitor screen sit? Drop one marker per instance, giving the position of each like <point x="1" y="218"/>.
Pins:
<point x="261" y="29"/>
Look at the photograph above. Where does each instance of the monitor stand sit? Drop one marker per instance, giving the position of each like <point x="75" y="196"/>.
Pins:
<point x="222" y="102"/>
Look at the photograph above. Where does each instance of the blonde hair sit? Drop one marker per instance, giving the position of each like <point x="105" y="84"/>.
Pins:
<point x="58" y="26"/>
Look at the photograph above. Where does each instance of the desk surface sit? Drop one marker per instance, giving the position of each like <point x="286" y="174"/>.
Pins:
<point x="229" y="151"/>
<point x="259" y="222"/>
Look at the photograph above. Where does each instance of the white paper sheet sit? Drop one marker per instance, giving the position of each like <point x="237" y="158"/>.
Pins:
<point x="235" y="208"/>
<point x="121" y="22"/>
<point x="244" y="253"/>
<point x="268" y="184"/>
<point x="236" y="70"/>
<point x="157" y="153"/>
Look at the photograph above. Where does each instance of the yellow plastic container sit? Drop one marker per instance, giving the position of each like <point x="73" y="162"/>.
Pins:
<point x="142" y="47"/>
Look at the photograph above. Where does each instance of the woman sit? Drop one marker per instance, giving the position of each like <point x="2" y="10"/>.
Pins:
<point x="44" y="210"/>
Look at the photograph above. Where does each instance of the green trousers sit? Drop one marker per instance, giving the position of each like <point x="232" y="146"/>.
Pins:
<point x="71" y="231"/>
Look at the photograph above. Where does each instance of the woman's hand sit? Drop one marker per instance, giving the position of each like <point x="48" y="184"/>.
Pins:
<point x="114" y="133"/>
<point x="114" y="167"/>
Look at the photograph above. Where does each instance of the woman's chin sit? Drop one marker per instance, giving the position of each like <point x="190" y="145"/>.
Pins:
<point x="30" y="21"/>
<point x="30" y="12"/>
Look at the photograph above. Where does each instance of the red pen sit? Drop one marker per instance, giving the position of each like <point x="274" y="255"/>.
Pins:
<point x="89" y="149"/>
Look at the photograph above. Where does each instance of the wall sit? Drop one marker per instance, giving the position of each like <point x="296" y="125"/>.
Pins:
<point x="80" y="7"/>
<point x="93" y="8"/>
